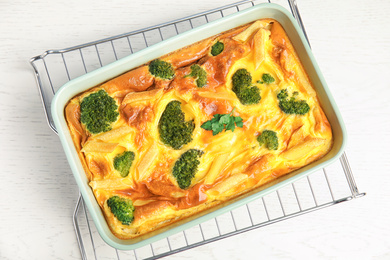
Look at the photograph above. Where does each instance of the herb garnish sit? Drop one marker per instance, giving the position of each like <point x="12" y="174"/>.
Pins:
<point x="223" y="121"/>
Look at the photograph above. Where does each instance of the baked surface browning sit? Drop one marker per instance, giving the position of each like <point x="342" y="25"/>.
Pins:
<point x="229" y="163"/>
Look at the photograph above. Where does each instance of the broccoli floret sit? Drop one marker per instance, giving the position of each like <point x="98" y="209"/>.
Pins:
<point x="292" y="105"/>
<point x="217" y="48"/>
<point x="186" y="167"/>
<point x="241" y="78"/>
<point x="122" y="208"/>
<point x="269" y="139"/>
<point x="199" y="74"/>
<point x="123" y="162"/>
<point x="266" y="78"/>
<point x="174" y="130"/>
<point x="247" y="94"/>
<point x="161" y="69"/>
<point x="282" y="94"/>
<point x="98" y="111"/>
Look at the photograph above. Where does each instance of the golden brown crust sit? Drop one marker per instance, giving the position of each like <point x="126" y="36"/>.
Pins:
<point x="233" y="163"/>
<point x="189" y="55"/>
<point x="138" y="79"/>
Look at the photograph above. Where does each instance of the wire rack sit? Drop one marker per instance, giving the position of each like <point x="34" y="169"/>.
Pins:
<point x="332" y="185"/>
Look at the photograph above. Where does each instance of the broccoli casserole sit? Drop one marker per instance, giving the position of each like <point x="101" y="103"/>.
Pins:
<point x="197" y="127"/>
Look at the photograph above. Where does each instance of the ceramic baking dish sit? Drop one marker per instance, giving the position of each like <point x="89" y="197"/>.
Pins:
<point x="89" y="80"/>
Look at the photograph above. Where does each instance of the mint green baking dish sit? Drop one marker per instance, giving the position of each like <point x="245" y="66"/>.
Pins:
<point x="89" y="80"/>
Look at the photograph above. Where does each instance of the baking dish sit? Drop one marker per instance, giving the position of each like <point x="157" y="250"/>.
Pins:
<point x="94" y="78"/>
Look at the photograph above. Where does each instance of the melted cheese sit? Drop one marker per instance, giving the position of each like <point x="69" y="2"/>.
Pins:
<point x="233" y="162"/>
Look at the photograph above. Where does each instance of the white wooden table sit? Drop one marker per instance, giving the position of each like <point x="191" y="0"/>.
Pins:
<point x="351" y="42"/>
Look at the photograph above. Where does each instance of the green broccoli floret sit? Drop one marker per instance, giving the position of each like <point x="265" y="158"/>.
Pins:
<point x="292" y="105"/>
<point x="269" y="139"/>
<point x="186" y="167"/>
<point x="241" y="78"/>
<point x="98" y="111"/>
<point x="217" y="48"/>
<point x="122" y="208"/>
<point x="247" y="94"/>
<point x="282" y="94"/>
<point x="266" y="78"/>
<point x="199" y="74"/>
<point x="161" y="69"/>
<point x="123" y="162"/>
<point x="174" y="130"/>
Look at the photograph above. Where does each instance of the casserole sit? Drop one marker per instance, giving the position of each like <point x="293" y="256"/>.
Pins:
<point x="110" y="71"/>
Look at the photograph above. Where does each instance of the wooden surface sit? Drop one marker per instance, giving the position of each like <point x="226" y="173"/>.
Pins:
<point x="351" y="42"/>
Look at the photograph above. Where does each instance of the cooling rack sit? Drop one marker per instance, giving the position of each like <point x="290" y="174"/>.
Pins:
<point x="329" y="186"/>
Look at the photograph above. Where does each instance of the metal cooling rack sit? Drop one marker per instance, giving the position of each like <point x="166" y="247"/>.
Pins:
<point x="332" y="185"/>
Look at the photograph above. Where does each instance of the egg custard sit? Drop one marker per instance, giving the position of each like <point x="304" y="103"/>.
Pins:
<point x="197" y="127"/>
